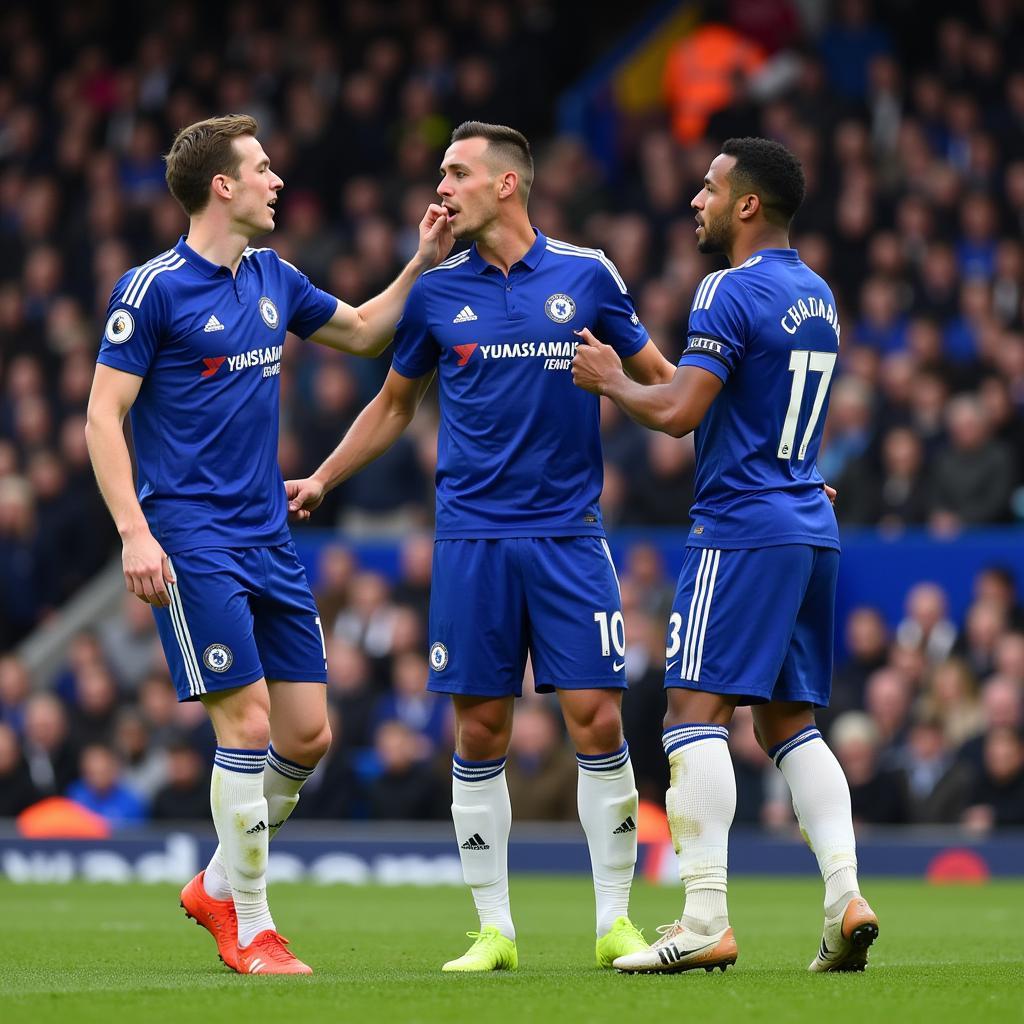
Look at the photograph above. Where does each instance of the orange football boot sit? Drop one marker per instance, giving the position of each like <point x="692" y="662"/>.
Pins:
<point x="268" y="954"/>
<point x="216" y="916"/>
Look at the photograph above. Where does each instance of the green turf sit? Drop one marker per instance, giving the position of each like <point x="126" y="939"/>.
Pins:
<point x="81" y="953"/>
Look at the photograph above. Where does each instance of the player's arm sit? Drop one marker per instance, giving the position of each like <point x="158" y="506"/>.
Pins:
<point x="375" y="430"/>
<point x="146" y="571"/>
<point x="366" y="330"/>
<point x="674" y="408"/>
<point x="649" y="366"/>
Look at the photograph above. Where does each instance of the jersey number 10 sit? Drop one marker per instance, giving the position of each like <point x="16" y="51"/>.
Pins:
<point x="802" y="362"/>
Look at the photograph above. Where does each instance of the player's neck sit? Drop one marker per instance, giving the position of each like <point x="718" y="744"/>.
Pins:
<point x="744" y="248"/>
<point x="216" y="243"/>
<point x="505" y="242"/>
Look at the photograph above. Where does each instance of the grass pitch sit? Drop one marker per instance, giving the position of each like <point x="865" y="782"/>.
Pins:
<point x="81" y="953"/>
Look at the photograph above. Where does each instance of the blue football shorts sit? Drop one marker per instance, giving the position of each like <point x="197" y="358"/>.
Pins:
<point x="755" y="623"/>
<point x="494" y="601"/>
<point x="238" y="615"/>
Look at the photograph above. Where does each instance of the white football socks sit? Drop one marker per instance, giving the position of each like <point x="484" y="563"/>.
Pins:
<point x="701" y="802"/>
<point x="607" y="799"/>
<point x="240" y="817"/>
<point x="821" y="800"/>
<point x="482" y="813"/>
<point x="281" y="784"/>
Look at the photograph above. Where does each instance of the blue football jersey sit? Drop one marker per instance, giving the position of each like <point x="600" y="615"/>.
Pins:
<point x="519" y="447"/>
<point x="208" y="346"/>
<point x="769" y="329"/>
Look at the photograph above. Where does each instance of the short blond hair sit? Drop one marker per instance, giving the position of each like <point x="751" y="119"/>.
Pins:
<point x="199" y="152"/>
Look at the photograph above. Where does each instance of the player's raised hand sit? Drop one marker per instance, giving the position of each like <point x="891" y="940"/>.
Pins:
<point x="146" y="569"/>
<point x="436" y="238"/>
<point x="304" y="497"/>
<point x="595" y="364"/>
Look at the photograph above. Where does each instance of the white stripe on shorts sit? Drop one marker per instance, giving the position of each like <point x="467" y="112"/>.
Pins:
<point x="608" y="553"/>
<point x="700" y="607"/>
<point x="196" y="686"/>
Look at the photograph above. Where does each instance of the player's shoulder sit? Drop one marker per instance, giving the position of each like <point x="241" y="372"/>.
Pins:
<point x="141" y="283"/>
<point x="267" y="257"/>
<point x="451" y="269"/>
<point x="595" y="259"/>
<point x="728" y="286"/>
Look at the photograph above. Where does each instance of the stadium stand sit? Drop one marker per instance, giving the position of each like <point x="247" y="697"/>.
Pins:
<point x="915" y="213"/>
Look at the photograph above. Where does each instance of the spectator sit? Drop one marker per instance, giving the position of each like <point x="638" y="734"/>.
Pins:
<point x="878" y="796"/>
<point x="14" y="692"/>
<point x="145" y="764"/>
<point x="540" y="769"/>
<point x="938" y="786"/>
<point x="952" y="697"/>
<point x="974" y="475"/>
<point x="51" y="754"/>
<point x="867" y="641"/>
<point x="423" y="713"/>
<point x="186" y="792"/>
<point x="17" y="790"/>
<point x="405" y="787"/>
<point x="997" y="799"/>
<point x="926" y="624"/>
<point x="101" y="789"/>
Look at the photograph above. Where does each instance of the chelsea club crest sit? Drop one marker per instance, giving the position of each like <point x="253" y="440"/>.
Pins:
<point x="269" y="312"/>
<point x="560" y="308"/>
<point x="438" y="657"/>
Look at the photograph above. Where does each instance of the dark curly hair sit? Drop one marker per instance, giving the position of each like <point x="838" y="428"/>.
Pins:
<point x="771" y="171"/>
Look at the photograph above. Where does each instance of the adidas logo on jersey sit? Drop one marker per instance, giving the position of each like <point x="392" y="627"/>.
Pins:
<point x="260" y="826"/>
<point x="475" y="842"/>
<point x="213" y="324"/>
<point x="627" y="826"/>
<point x="464" y="315"/>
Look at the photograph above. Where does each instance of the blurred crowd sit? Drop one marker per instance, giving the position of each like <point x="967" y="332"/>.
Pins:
<point x="927" y="719"/>
<point x="911" y="133"/>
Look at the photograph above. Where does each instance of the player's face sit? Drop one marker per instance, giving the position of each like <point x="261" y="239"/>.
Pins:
<point x="468" y="187"/>
<point x="713" y="207"/>
<point x="256" y="188"/>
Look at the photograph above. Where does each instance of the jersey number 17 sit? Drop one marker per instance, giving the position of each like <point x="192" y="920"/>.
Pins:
<point x="802" y="362"/>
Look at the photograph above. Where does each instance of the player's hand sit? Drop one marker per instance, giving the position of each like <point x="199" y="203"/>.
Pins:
<point x="830" y="493"/>
<point x="304" y="497"/>
<point x="146" y="569"/>
<point x="595" y="364"/>
<point x="436" y="238"/>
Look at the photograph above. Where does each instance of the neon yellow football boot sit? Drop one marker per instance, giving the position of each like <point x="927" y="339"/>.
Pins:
<point x="492" y="951"/>
<point x="622" y="939"/>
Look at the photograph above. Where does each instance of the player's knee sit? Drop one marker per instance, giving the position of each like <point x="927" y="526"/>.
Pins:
<point x="482" y="739"/>
<point x="601" y="732"/>
<point x="249" y="730"/>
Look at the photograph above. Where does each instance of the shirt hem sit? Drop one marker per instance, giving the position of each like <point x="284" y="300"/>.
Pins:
<point x="728" y="544"/>
<point x="498" y="533"/>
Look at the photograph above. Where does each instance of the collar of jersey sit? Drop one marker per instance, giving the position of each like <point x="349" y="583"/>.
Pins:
<point x="204" y="266"/>
<point x="529" y="259"/>
<point x="779" y="254"/>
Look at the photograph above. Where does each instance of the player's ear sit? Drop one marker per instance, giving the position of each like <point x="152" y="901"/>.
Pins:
<point x="749" y="205"/>
<point x="221" y="186"/>
<point x="507" y="184"/>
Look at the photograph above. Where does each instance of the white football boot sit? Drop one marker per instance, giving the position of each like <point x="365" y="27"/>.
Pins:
<point x="846" y="938"/>
<point x="680" y="949"/>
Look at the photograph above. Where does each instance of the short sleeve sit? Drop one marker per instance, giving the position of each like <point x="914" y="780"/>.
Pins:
<point x="309" y="308"/>
<point x="416" y="353"/>
<point x="136" y="322"/>
<point x="716" y="339"/>
<point x="618" y="324"/>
